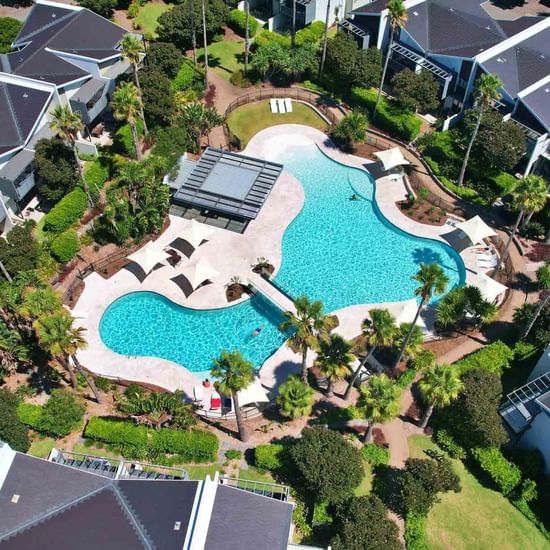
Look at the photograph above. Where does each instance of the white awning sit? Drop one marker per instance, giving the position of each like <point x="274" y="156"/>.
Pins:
<point x="476" y="229"/>
<point x="196" y="232"/>
<point x="148" y="256"/>
<point x="254" y="393"/>
<point x="391" y="158"/>
<point x="489" y="288"/>
<point x="199" y="271"/>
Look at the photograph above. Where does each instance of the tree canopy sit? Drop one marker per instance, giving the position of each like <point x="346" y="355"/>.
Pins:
<point x="19" y="250"/>
<point x="105" y="8"/>
<point x="9" y="27"/>
<point x="164" y="57"/>
<point x="12" y="431"/>
<point x="157" y="96"/>
<point x="416" y="91"/>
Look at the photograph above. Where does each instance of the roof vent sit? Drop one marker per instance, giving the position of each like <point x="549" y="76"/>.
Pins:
<point x="54" y="15"/>
<point x="15" y="498"/>
<point x="547" y="90"/>
<point x="177" y="525"/>
<point x="415" y="13"/>
<point x="451" y="9"/>
<point x="25" y="95"/>
<point x="542" y="56"/>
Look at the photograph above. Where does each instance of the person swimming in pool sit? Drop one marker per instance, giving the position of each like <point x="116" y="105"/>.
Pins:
<point x="256" y="331"/>
<point x="354" y="197"/>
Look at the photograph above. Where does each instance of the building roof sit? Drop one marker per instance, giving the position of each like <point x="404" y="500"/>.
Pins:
<point x="376" y="6"/>
<point x="229" y="183"/>
<point x="17" y="164"/>
<point x="20" y="108"/>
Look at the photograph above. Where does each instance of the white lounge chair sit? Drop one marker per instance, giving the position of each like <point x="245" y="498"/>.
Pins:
<point x="273" y="105"/>
<point x="281" y="105"/>
<point x="198" y="392"/>
<point x="486" y="257"/>
<point x="288" y="105"/>
<point x="486" y="264"/>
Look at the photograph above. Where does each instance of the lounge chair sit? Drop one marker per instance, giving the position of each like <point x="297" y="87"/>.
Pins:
<point x="486" y="264"/>
<point x="485" y="257"/>
<point x="288" y="105"/>
<point x="273" y="105"/>
<point x="215" y="401"/>
<point x="281" y="105"/>
<point x="198" y="393"/>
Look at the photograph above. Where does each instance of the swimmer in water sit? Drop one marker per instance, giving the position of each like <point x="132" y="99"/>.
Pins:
<point x="353" y="197"/>
<point x="256" y="331"/>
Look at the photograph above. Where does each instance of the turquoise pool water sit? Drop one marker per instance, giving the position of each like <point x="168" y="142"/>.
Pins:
<point x="340" y="251"/>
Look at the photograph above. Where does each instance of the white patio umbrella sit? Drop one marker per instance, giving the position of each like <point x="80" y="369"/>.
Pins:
<point x="391" y="158"/>
<point x="476" y="229"/>
<point x="148" y="256"/>
<point x="195" y="232"/>
<point x="489" y="288"/>
<point x="253" y="393"/>
<point x="199" y="271"/>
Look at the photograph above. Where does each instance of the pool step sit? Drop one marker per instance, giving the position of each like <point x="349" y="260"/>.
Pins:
<point x="261" y="285"/>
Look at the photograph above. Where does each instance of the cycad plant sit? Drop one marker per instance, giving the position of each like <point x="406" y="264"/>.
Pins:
<point x="334" y="360"/>
<point x="295" y="398"/>
<point x="126" y="105"/>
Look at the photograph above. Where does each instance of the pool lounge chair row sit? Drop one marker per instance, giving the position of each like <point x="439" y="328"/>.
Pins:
<point x="281" y="105"/>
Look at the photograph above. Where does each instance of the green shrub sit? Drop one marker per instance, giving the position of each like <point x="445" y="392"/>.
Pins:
<point x="120" y="433"/>
<point x="503" y="183"/>
<point x="194" y="445"/>
<point x="123" y="143"/>
<point x="30" y="415"/>
<point x="133" y="10"/>
<point x="376" y="455"/>
<point x="525" y="509"/>
<point x="96" y="173"/>
<point x="415" y="532"/>
<point x="405" y="379"/>
<point x="495" y="358"/>
<point x="269" y="457"/>
<point x="533" y="230"/>
<point x="504" y="474"/>
<point x="65" y="246"/>
<point x="321" y="514"/>
<point x="66" y="212"/>
<point x="237" y="21"/>
<point x="187" y="77"/>
<point x="233" y="454"/>
<point x="448" y="444"/>
<point x="103" y="384"/>
<point x="12" y="430"/>
<point x="239" y="79"/>
<point x="390" y="117"/>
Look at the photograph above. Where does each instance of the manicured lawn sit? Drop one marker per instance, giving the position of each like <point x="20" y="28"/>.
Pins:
<point x="365" y="487"/>
<point x="42" y="446"/>
<point x="148" y="16"/>
<point x="39" y="230"/>
<point x="477" y="517"/>
<point x="224" y="57"/>
<point x="200" y="471"/>
<point x="248" y="120"/>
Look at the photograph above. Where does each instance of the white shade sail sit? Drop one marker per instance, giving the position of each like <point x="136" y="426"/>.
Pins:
<point x="391" y="158"/>
<point x="476" y="229"/>
<point x="254" y="393"/>
<point x="489" y="288"/>
<point x="199" y="271"/>
<point x="195" y="232"/>
<point x="406" y="311"/>
<point x="148" y="256"/>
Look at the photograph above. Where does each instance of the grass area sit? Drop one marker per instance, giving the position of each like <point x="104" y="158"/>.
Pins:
<point x="39" y="230"/>
<point x="148" y="15"/>
<point x="248" y="120"/>
<point x="41" y="447"/>
<point x="200" y="471"/>
<point x="224" y="57"/>
<point x="477" y="517"/>
<point x="365" y="487"/>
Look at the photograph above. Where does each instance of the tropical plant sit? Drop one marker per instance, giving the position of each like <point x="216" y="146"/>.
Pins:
<point x="351" y="129"/>
<point x="397" y="16"/>
<point x="439" y="386"/>
<point x="413" y="346"/>
<point x="334" y="360"/>
<point x="126" y="105"/>
<point x="543" y="279"/>
<point x="529" y="196"/>
<point x="295" y="398"/>
<point x="486" y="92"/>
<point x="12" y="430"/>
<point x="379" y="401"/>
<point x="67" y="124"/>
<point x="199" y="120"/>
<point x="233" y="374"/>
<point x="13" y="351"/>
<point x="379" y="330"/>
<point x="432" y="280"/>
<point x="307" y="326"/>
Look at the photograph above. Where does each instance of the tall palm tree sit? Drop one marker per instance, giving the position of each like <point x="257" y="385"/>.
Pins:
<point x="57" y="337"/>
<point x="205" y="39"/>
<point x="293" y="29"/>
<point x="528" y="196"/>
<point x="537" y="182"/>
<point x="233" y="374"/>
<point x="334" y="360"/>
<point x="325" y="42"/>
<point x="486" y="92"/>
<point x="432" y="280"/>
<point x="397" y="17"/>
<point x="126" y="105"/>
<point x="379" y="401"/>
<point x="295" y="398"/>
<point x="67" y="124"/>
<point x="132" y="50"/>
<point x="308" y="325"/>
<point x="246" y="34"/>
<point x="379" y="330"/>
<point x="439" y="386"/>
<point x="543" y="278"/>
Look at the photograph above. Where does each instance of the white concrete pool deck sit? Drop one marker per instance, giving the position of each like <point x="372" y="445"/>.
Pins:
<point x="233" y="254"/>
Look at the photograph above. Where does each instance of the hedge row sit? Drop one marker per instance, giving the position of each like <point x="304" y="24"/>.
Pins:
<point x="504" y="473"/>
<point x="269" y="457"/>
<point x="376" y="455"/>
<point x="65" y="246"/>
<point x="66" y="212"/>
<point x="192" y="446"/>
<point x="237" y="21"/>
<point x="495" y="358"/>
<point x="389" y="116"/>
<point x="96" y="173"/>
<point x="415" y="532"/>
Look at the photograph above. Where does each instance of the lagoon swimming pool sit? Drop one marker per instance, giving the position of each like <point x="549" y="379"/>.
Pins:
<point x="340" y="251"/>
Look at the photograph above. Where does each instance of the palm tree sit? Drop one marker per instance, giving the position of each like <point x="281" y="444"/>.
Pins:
<point x="432" y="280"/>
<point x="485" y="93"/>
<point x="543" y="278"/>
<point x="13" y="352"/>
<point x="415" y="341"/>
<point x="193" y="30"/>
<point x="397" y="16"/>
<point x="308" y="325"/>
<point x="528" y="196"/>
<point x="67" y="124"/>
<point x="540" y="182"/>
<point x="57" y="337"/>
<point x="295" y="398"/>
<point x="379" y="330"/>
<point x="325" y="42"/>
<point x="203" y="6"/>
<point x="132" y="50"/>
<point x="199" y="120"/>
<point x="380" y="401"/>
<point x="334" y="360"/>
<point x="440" y="385"/>
<point x="126" y="105"/>
<point x="352" y="129"/>
<point x="234" y="373"/>
<point x="293" y="30"/>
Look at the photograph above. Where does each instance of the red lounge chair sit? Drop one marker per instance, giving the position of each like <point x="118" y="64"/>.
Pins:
<point x="215" y="402"/>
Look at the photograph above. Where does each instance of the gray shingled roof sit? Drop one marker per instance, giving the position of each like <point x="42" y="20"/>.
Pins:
<point x="538" y="102"/>
<point x="372" y="7"/>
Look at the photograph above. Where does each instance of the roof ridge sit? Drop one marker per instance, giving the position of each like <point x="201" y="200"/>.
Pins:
<point x="12" y="111"/>
<point x="4" y="92"/>
<point x="46" y="26"/>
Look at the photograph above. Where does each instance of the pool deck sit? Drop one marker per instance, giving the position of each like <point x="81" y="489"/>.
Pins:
<point x="234" y="254"/>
